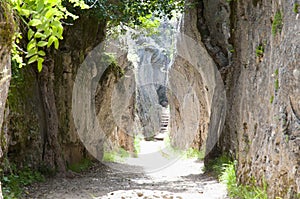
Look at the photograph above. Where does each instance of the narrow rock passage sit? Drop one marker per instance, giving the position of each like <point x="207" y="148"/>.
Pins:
<point x="135" y="178"/>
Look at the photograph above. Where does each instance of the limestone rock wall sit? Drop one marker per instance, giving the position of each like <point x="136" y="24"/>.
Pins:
<point x="6" y="34"/>
<point x="111" y="92"/>
<point x="27" y="120"/>
<point x="261" y="76"/>
<point x="191" y="89"/>
<point x="199" y="94"/>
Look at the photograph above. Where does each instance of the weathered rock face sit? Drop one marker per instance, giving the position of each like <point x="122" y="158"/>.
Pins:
<point x="42" y="129"/>
<point x="6" y="33"/>
<point x="112" y="90"/>
<point x="25" y="122"/>
<point x="79" y="39"/>
<point x="188" y="106"/>
<point x="262" y="83"/>
<point x="200" y="102"/>
<point x="41" y="126"/>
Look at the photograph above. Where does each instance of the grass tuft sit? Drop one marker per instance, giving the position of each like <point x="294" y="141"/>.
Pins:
<point x="296" y="10"/>
<point x="272" y="99"/>
<point x="259" y="51"/>
<point x="224" y="168"/>
<point x="277" y="23"/>
<point x="115" y="156"/>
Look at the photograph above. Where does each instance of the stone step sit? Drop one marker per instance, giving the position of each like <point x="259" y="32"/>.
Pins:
<point x="164" y="120"/>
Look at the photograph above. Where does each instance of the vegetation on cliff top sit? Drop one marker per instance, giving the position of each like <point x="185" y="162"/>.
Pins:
<point x="43" y="20"/>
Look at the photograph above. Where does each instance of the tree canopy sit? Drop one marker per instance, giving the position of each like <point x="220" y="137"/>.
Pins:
<point x="43" y="20"/>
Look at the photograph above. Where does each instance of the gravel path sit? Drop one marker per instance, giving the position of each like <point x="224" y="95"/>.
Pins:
<point x="182" y="179"/>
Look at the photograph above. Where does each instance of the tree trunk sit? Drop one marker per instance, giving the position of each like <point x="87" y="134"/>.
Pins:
<point x="6" y="33"/>
<point x="62" y="145"/>
<point x="52" y="152"/>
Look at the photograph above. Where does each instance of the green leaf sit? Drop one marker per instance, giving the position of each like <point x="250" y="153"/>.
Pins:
<point x="43" y="26"/>
<point x="60" y="30"/>
<point x="35" y="22"/>
<point x="42" y="53"/>
<point x="31" y="52"/>
<point x="55" y="22"/>
<point x="40" y="64"/>
<point x="50" y="13"/>
<point x="51" y="40"/>
<point x="30" y="34"/>
<point x="24" y="12"/>
<point x="56" y="44"/>
<point x="31" y="44"/>
<point x="39" y="35"/>
<point x="42" y="43"/>
<point x="53" y="2"/>
<point x="47" y="32"/>
<point x="57" y="29"/>
<point x="40" y="5"/>
<point x="33" y="59"/>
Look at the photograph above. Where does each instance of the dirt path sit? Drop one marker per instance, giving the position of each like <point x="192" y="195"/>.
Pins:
<point x="182" y="179"/>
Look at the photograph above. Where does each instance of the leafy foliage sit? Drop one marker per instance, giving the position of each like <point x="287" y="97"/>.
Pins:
<point x="43" y="20"/>
<point x="14" y="182"/>
<point x="130" y="12"/>
<point x="216" y="165"/>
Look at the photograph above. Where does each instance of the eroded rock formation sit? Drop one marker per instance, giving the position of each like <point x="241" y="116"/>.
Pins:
<point x="256" y="47"/>
<point x="254" y="44"/>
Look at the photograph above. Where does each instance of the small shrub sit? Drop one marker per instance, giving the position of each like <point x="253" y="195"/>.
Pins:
<point x="109" y="157"/>
<point x="228" y="177"/>
<point x="83" y="165"/>
<point x="272" y="99"/>
<point x="116" y="155"/>
<point x="224" y="168"/>
<point x="194" y="153"/>
<point x="14" y="182"/>
<point x="277" y="23"/>
<point x="276" y="84"/>
<point x="259" y="51"/>
<point x="123" y="153"/>
<point x="296" y="8"/>
<point x="216" y="166"/>
<point x="137" y="144"/>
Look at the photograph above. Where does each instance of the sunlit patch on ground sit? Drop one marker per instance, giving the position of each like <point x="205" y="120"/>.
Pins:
<point x="167" y="169"/>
